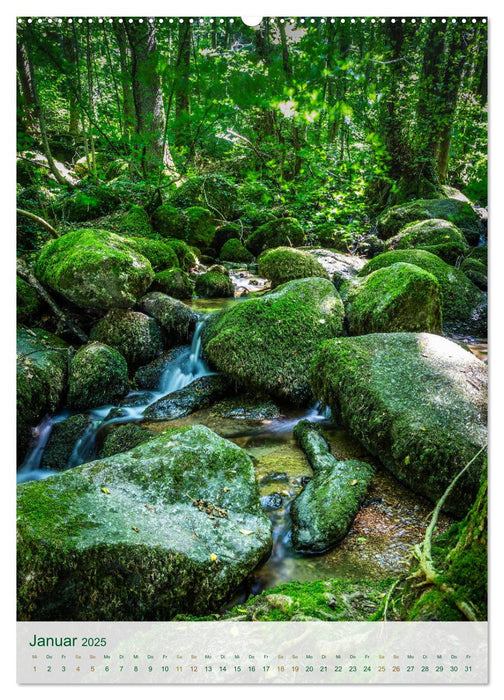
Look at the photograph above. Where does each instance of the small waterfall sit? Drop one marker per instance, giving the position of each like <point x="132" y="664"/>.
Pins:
<point x="185" y="368"/>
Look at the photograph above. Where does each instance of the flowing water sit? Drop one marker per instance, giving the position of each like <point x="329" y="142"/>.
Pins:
<point x="390" y="521"/>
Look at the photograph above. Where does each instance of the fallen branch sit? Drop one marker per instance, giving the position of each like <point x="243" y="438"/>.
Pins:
<point x="42" y="222"/>
<point x="23" y="271"/>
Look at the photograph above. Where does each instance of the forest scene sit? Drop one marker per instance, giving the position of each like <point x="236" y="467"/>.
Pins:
<point x="251" y="319"/>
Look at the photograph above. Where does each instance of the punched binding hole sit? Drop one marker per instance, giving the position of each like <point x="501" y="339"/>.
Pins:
<point x="251" y="21"/>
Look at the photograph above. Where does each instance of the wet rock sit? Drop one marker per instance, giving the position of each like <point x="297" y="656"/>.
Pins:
<point x="98" y="376"/>
<point x="416" y="401"/>
<point x="338" y="266"/>
<point x="63" y="438"/>
<point x="149" y="376"/>
<point x="272" y="502"/>
<point x="247" y="408"/>
<point x="124" y="438"/>
<point x="177" y="319"/>
<point x="135" y="335"/>
<point x="172" y="526"/>
<point x="200" y="393"/>
<point x="265" y="344"/>
<point x="325" y="510"/>
<point x="41" y="378"/>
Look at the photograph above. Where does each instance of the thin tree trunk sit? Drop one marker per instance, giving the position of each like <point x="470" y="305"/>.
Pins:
<point x="92" y="169"/>
<point x="27" y="91"/>
<point x="128" y="104"/>
<point x="182" y="130"/>
<point x="70" y="54"/>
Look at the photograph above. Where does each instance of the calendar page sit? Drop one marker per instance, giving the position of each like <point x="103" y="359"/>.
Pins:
<point x="251" y="350"/>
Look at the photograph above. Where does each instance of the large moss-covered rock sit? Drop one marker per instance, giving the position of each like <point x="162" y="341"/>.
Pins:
<point x="174" y="282"/>
<point x="416" y="401"/>
<point x="234" y="251"/>
<point x="401" y="297"/>
<point x="124" y="438"/>
<point x="188" y="256"/>
<point x="201" y="227"/>
<point x="86" y="204"/>
<point x="27" y="302"/>
<point x="94" y="269"/>
<point x="210" y="191"/>
<point x="285" y="264"/>
<point x="460" y="213"/>
<point x="214" y="285"/>
<point x="62" y="441"/>
<point x="170" y="221"/>
<point x="200" y="393"/>
<point x="464" y="305"/>
<point x="476" y="271"/>
<point x="173" y="526"/>
<point x="225" y="233"/>
<point x="279" y="232"/>
<point x="41" y="379"/>
<point x="437" y="236"/>
<point x="136" y="335"/>
<point x="160" y="255"/>
<point x="324" y="511"/>
<point x="265" y="344"/>
<point x="98" y="376"/>
<point x="177" y="319"/>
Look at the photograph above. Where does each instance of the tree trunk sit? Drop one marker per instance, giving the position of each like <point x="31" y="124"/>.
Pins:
<point x="128" y="104"/>
<point x="153" y="148"/>
<point x="182" y="130"/>
<point x="27" y="91"/>
<point x="70" y="54"/>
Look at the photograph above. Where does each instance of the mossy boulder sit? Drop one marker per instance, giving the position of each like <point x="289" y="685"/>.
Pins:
<point x="286" y="231"/>
<point x="134" y="334"/>
<point x="188" y="257"/>
<point x="479" y="253"/>
<point x="214" y="285"/>
<point x="124" y="438"/>
<point x="414" y="400"/>
<point x="41" y="379"/>
<point x="285" y="264"/>
<point x="170" y="221"/>
<point x="94" y="269"/>
<point x="160" y="255"/>
<point x="437" y="236"/>
<point x="464" y="305"/>
<point x="401" y="297"/>
<point x="149" y="376"/>
<point x="89" y="203"/>
<point x="98" y="376"/>
<point x="224" y="233"/>
<point x="458" y="212"/>
<point x="135" y="222"/>
<point x="210" y="191"/>
<point x="265" y="344"/>
<point x="62" y="441"/>
<point x="234" y="251"/>
<point x="201" y="227"/>
<point x="200" y="393"/>
<point x="116" y="168"/>
<point x="175" y="282"/>
<point x="177" y="520"/>
<point x="27" y="302"/>
<point x="176" y="318"/>
<point x="324" y="511"/>
<point x="476" y="271"/>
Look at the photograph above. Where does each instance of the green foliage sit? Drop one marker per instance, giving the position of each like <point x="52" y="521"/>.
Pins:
<point x="279" y="232"/>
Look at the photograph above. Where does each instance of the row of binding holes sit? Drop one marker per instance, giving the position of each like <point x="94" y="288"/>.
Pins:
<point x="271" y="20"/>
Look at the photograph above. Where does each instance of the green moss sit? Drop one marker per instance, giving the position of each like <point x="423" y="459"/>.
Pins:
<point x="416" y="401"/>
<point x="253" y="215"/>
<point x="280" y="232"/>
<point x="116" y="168"/>
<point x="94" y="269"/>
<point x="136" y="336"/>
<point x="98" y="376"/>
<point x="401" y="297"/>
<point x="160" y="255"/>
<point x="266" y="343"/>
<point x="89" y="203"/>
<point x="175" y="282"/>
<point x="102" y="161"/>
<point x="225" y="233"/>
<point x="451" y="253"/>
<point x="27" y="302"/>
<point x="214" y="285"/>
<point x="170" y="221"/>
<point x="135" y="222"/>
<point x="460" y="213"/>
<point x="62" y="441"/>
<point x="234" y="251"/>
<point x="464" y="306"/>
<point x="177" y="319"/>
<point x="479" y="253"/>
<point x="438" y="233"/>
<point x="188" y="257"/>
<point x="124" y="438"/>
<point x="210" y="191"/>
<point x="284" y="264"/>
<point x="201" y="227"/>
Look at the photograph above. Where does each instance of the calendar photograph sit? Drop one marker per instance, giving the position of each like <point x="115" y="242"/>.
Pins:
<point x="251" y="349"/>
